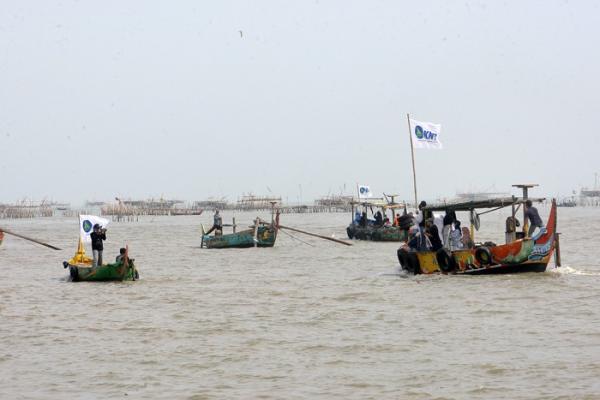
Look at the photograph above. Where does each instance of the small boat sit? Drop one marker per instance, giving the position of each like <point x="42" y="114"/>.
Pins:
<point x="1" y="237"/>
<point x="81" y="268"/>
<point x="260" y="235"/>
<point x="367" y="229"/>
<point x="519" y="254"/>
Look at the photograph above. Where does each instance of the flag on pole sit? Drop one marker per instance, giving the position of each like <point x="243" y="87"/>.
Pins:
<point x="86" y="225"/>
<point x="364" y="192"/>
<point x="425" y="135"/>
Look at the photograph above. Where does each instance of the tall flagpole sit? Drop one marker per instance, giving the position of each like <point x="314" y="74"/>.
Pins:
<point x="412" y="152"/>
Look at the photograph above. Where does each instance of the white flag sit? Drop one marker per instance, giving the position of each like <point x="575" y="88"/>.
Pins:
<point x="86" y="225"/>
<point x="425" y="135"/>
<point x="364" y="192"/>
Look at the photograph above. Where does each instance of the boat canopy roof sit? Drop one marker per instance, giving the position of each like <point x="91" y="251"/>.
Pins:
<point x="498" y="202"/>
<point x="381" y="203"/>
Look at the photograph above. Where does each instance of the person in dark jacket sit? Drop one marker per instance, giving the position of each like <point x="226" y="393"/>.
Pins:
<point x="531" y="213"/>
<point x="217" y="223"/>
<point x="434" y="236"/>
<point x="97" y="236"/>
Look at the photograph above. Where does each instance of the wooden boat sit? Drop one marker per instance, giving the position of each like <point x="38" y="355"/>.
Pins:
<point x="369" y="230"/>
<point x="260" y="235"/>
<point x="81" y="268"/>
<point x="522" y="254"/>
<point x="1" y="237"/>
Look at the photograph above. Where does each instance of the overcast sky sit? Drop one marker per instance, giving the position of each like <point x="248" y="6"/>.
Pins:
<point x="192" y="99"/>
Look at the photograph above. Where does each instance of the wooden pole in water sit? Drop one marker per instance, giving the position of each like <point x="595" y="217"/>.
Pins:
<point x="315" y="235"/>
<point x="412" y="152"/>
<point x="256" y="232"/>
<point x="30" y="239"/>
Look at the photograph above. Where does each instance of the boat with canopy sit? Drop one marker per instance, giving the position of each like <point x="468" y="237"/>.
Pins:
<point x="519" y="253"/>
<point x="390" y="228"/>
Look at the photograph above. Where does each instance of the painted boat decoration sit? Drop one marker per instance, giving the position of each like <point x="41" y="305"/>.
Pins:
<point x="520" y="255"/>
<point x="81" y="268"/>
<point x="260" y="235"/>
<point x="382" y="229"/>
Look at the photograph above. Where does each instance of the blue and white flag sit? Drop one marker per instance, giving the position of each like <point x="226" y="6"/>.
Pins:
<point x="425" y="135"/>
<point x="364" y="192"/>
<point x="86" y="225"/>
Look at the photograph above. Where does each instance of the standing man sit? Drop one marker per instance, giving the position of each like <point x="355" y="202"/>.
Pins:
<point x="532" y="214"/>
<point x="97" y="236"/>
<point x="217" y="223"/>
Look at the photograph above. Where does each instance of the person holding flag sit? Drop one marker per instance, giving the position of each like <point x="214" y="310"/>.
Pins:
<point x="91" y="229"/>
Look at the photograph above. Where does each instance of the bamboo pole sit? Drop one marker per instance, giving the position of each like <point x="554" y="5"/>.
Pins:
<point x="315" y="235"/>
<point x="30" y="239"/>
<point x="412" y="152"/>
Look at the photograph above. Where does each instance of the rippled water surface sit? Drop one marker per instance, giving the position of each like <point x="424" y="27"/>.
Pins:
<point x="301" y="320"/>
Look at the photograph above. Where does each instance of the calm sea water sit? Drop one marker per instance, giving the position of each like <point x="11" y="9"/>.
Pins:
<point x="299" y="321"/>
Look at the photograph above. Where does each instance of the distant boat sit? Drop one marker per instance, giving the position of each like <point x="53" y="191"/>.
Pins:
<point x="260" y="235"/>
<point x="369" y="229"/>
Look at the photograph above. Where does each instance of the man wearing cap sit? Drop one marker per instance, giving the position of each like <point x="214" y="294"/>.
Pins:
<point x="97" y="236"/>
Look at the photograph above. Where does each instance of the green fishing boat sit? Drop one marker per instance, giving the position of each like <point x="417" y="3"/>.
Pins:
<point x="260" y="235"/>
<point x="384" y="230"/>
<point x="82" y="269"/>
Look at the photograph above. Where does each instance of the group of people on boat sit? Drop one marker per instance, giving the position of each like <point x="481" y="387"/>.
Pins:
<point x="425" y="235"/>
<point x="98" y="236"/>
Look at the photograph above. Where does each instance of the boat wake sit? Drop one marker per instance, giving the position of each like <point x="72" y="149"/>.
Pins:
<point x="566" y="270"/>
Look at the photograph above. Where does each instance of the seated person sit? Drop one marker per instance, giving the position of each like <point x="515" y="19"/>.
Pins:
<point x="433" y="234"/>
<point x="378" y="219"/>
<point x="121" y="255"/>
<point x="357" y="217"/>
<point x="467" y="242"/>
<point x="397" y="220"/>
<point x="386" y="221"/>
<point x="455" y="237"/>
<point x="363" y="219"/>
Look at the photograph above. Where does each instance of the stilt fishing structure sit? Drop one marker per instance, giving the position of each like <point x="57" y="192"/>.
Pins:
<point x="26" y="209"/>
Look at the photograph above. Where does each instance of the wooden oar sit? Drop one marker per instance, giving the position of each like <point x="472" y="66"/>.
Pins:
<point x="30" y="239"/>
<point x="315" y="235"/>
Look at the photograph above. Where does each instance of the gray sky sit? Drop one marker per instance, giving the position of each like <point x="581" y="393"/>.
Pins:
<point x="141" y="99"/>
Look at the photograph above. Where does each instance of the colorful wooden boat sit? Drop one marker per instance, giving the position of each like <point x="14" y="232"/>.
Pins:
<point x="260" y="235"/>
<point x="81" y="268"/>
<point x="1" y="237"/>
<point x="369" y="230"/>
<point x="521" y="255"/>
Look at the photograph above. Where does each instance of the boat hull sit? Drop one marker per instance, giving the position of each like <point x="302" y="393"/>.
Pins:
<point x="103" y="273"/>
<point x="376" y="234"/>
<point x="265" y="237"/>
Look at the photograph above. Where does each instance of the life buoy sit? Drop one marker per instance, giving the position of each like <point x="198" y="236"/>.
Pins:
<point x="402" y="255"/>
<point x="483" y="255"/>
<point x="74" y="272"/>
<point x="445" y="261"/>
<point x="412" y="263"/>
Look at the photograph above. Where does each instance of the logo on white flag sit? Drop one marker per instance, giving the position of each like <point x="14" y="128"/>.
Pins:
<point x="364" y="192"/>
<point x="426" y="135"/>
<point x="86" y="225"/>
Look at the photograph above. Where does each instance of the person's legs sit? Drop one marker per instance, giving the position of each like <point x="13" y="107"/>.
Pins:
<point x="211" y="229"/>
<point x="531" y="230"/>
<point x="95" y="255"/>
<point x="99" y="257"/>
